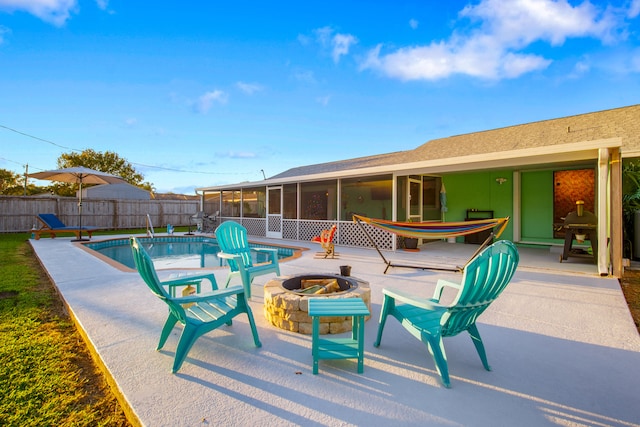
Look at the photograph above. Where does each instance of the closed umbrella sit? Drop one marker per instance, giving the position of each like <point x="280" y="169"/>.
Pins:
<point x="78" y="175"/>
<point x="443" y="201"/>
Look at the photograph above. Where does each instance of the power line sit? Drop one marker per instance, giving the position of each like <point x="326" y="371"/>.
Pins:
<point x="38" y="138"/>
<point x="133" y="163"/>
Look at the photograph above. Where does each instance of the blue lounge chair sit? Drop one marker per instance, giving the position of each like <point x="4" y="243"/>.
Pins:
<point x="51" y="224"/>
<point x="483" y="279"/>
<point x="232" y="239"/>
<point x="200" y="313"/>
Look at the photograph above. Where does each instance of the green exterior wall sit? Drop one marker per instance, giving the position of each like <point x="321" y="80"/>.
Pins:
<point x="481" y="191"/>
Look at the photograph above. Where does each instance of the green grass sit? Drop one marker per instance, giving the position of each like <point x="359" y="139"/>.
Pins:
<point x="47" y="376"/>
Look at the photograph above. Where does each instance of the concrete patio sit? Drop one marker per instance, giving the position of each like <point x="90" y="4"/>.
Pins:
<point x="560" y="339"/>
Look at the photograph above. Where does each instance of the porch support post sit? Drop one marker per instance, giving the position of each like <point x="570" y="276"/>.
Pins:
<point x="615" y="198"/>
<point x="603" y="201"/>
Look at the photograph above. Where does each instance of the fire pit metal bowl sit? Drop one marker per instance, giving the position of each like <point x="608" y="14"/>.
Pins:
<point x="287" y="308"/>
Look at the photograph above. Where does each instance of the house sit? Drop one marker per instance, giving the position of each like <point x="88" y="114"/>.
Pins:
<point x="533" y="173"/>
<point x="119" y="191"/>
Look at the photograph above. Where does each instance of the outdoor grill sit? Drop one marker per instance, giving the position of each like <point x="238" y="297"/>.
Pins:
<point x="581" y="225"/>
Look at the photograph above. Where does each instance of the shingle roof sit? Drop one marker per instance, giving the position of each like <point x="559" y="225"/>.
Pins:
<point x="620" y="122"/>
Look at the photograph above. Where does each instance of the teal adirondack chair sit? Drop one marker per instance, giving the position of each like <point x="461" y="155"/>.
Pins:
<point x="200" y="313"/>
<point x="232" y="239"/>
<point x="483" y="279"/>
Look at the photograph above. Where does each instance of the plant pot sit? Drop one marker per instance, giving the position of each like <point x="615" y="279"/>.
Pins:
<point x="410" y="243"/>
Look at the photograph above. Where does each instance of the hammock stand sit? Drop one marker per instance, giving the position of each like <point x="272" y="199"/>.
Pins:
<point x="433" y="230"/>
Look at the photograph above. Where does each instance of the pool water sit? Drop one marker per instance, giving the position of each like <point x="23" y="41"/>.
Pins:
<point x="177" y="252"/>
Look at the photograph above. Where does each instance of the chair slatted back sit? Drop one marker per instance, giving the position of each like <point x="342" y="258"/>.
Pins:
<point x="147" y="271"/>
<point x="484" y="279"/>
<point x="232" y="239"/>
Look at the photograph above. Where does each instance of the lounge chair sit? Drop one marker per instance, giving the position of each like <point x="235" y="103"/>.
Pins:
<point x="326" y="241"/>
<point x="199" y="313"/>
<point x="483" y="279"/>
<point x="51" y="224"/>
<point x="232" y="239"/>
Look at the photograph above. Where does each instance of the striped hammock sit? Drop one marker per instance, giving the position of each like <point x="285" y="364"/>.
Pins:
<point x="437" y="230"/>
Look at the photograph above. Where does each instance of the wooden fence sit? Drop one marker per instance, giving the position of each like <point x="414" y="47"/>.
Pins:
<point x="18" y="213"/>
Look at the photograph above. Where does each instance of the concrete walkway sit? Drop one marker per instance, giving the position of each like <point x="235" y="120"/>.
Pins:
<point x="560" y="339"/>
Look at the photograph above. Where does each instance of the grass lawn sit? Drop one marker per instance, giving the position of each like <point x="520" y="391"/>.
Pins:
<point x="47" y="376"/>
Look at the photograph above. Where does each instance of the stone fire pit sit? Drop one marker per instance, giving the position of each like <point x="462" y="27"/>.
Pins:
<point x="287" y="309"/>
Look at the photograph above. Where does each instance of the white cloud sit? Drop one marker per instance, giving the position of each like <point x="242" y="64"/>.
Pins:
<point x="249" y="88"/>
<point x="491" y="47"/>
<point x="55" y="12"/>
<point x="130" y="122"/>
<point x="323" y="100"/>
<point x="238" y="155"/>
<point x="206" y="101"/>
<point x="413" y="23"/>
<point x="338" y="43"/>
<point x="304" y="76"/>
<point x="3" y="31"/>
<point x="341" y="44"/>
<point x="634" y="9"/>
<point x="102" y="4"/>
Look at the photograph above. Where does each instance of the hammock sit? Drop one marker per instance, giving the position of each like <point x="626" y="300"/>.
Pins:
<point x="437" y="230"/>
<point x="433" y="230"/>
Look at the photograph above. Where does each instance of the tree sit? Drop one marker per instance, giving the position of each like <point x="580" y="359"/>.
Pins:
<point x="108" y="162"/>
<point x="10" y="183"/>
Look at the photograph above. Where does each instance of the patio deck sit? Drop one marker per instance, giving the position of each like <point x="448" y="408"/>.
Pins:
<point x="561" y="342"/>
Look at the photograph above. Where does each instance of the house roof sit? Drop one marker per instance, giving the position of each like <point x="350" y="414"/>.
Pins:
<point x="572" y="138"/>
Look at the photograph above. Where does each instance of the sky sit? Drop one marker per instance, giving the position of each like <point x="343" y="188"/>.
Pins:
<point x="205" y="93"/>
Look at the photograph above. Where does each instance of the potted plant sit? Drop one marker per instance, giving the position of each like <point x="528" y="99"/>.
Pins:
<point x="410" y="243"/>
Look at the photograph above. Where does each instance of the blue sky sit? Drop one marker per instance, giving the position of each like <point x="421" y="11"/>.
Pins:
<point x="205" y="93"/>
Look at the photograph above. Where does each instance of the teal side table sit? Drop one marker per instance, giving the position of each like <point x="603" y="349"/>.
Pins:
<point x="338" y="348"/>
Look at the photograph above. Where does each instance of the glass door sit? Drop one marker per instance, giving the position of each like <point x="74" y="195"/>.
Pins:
<point x="274" y="212"/>
<point x="414" y="199"/>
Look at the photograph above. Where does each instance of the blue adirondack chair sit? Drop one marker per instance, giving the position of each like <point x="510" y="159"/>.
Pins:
<point x="232" y="239"/>
<point x="200" y="313"/>
<point x="483" y="279"/>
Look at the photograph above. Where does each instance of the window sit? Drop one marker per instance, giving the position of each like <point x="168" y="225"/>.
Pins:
<point x="253" y="202"/>
<point x="368" y="196"/>
<point x="318" y="200"/>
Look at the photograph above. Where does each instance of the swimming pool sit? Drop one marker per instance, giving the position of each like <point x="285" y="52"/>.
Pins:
<point x="178" y="252"/>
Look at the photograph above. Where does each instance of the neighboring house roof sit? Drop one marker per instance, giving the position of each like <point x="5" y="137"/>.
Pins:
<point x="174" y="196"/>
<point x="116" y="191"/>
<point x="565" y="139"/>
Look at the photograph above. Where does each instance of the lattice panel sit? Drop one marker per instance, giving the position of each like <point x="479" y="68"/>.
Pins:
<point x="290" y="229"/>
<point x="352" y="235"/>
<point x="310" y="229"/>
<point x="347" y="234"/>
<point x="275" y="224"/>
<point x="255" y="226"/>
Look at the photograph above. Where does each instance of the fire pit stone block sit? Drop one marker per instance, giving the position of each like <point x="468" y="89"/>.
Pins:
<point x="289" y="310"/>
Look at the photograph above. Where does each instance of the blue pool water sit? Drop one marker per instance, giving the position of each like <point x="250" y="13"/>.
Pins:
<point x="176" y="252"/>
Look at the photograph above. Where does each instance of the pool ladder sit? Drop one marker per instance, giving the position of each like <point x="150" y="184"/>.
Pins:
<point x="150" y="232"/>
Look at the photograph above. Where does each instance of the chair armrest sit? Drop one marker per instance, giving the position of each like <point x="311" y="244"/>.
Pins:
<point x="191" y="279"/>
<point x="236" y="258"/>
<point x="426" y="303"/>
<point x="232" y="290"/>
<point x="437" y="293"/>
<point x="273" y="253"/>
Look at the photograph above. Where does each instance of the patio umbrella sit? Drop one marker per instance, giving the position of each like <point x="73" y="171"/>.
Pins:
<point x="79" y="175"/>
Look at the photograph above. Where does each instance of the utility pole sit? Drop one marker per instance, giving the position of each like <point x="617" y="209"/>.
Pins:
<point x="26" y="174"/>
